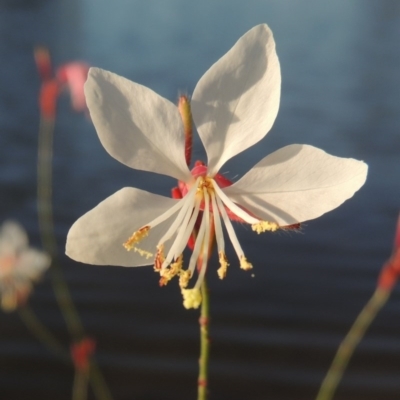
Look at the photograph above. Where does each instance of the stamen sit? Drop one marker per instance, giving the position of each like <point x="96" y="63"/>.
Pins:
<point x="232" y="206"/>
<point x="229" y="228"/>
<point x="168" y="273"/>
<point x="144" y="231"/>
<point x="184" y="233"/>
<point x="188" y="200"/>
<point x="223" y="261"/>
<point x="206" y="240"/>
<point x="176" y="207"/>
<point x="263" y="226"/>
<point x="198" y="245"/>
<point x="159" y="259"/>
<point x="244" y="264"/>
<point x="143" y="253"/>
<point x="219" y="235"/>
<point x="137" y="237"/>
<point x="184" y="278"/>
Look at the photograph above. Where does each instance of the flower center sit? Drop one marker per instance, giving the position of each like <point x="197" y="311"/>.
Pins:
<point x="200" y="212"/>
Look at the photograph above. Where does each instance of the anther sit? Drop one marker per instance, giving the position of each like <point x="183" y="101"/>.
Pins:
<point x="136" y="237"/>
<point x="160" y="257"/>
<point x="244" y="264"/>
<point x="143" y="253"/>
<point x="223" y="261"/>
<point x="168" y="273"/>
<point x="184" y="277"/>
<point x="263" y="226"/>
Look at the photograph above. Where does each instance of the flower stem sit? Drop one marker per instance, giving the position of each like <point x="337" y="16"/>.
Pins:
<point x="79" y="389"/>
<point x="46" y="225"/>
<point x="350" y="342"/>
<point x="99" y="386"/>
<point x="204" y="322"/>
<point x="42" y="333"/>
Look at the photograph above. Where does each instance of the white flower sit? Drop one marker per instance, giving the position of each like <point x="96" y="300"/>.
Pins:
<point x="20" y="265"/>
<point x="234" y="105"/>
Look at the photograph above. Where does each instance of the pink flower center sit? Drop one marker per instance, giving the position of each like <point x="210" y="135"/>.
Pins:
<point x="200" y="170"/>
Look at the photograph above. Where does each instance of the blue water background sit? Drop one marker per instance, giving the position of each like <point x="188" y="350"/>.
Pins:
<point x="274" y="335"/>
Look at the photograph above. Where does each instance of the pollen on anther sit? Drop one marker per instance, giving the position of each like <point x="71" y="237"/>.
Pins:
<point x="169" y="272"/>
<point x="184" y="277"/>
<point x="223" y="261"/>
<point x="244" y="264"/>
<point x="263" y="226"/>
<point x="143" y="253"/>
<point x="136" y="238"/>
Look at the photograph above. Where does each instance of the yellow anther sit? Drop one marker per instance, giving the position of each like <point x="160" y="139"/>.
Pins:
<point x="223" y="261"/>
<point x="263" y="226"/>
<point x="191" y="298"/>
<point x="136" y="237"/>
<point x="177" y="265"/>
<point x="184" y="277"/>
<point x="168" y="273"/>
<point x="244" y="264"/>
<point x="205" y="183"/>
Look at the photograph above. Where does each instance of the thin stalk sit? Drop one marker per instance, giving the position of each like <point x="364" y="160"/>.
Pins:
<point x="204" y="343"/>
<point x="350" y="342"/>
<point x="46" y="225"/>
<point x="42" y="333"/>
<point x="80" y="387"/>
<point x="99" y="386"/>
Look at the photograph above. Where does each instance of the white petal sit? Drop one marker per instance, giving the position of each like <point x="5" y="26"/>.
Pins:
<point x="32" y="263"/>
<point x="297" y="183"/>
<point x="98" y="236"/>
<point x="13" y="238"/>
<point x="135" y="125"/>
<point x="236" y="101"/>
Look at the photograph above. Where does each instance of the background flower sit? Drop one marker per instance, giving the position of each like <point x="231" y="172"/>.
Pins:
<point x="20" y="265"/>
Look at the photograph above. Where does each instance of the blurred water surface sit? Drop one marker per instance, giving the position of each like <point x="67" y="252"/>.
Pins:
<point x="274" y="335"/>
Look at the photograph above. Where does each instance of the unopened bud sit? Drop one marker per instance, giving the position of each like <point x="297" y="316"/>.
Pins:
<point x="186" y="115"/>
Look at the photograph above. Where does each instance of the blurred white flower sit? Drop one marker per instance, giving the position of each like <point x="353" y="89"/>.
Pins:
<point x="234" y="105"/>
<point x="20" y="265"/>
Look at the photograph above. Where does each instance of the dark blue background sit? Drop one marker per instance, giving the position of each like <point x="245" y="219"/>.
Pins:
<point x="274" y="335"/>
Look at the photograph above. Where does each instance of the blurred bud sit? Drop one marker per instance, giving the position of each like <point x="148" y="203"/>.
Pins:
<point x="81" y="353"/>
<point x="48" y="98"/>
<point x="186" y="115"/>
<point x="391" y="270"/>
<point x="43" y="62"/>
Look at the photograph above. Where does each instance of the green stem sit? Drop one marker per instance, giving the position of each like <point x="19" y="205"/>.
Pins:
<point x="99" y="386"/>
<point x="350" y="342"/>
<point x="79" y="389"/>
<point x="42" y="333"/>
<point x="204" y="322"/>
<point x="46" y="225"/>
